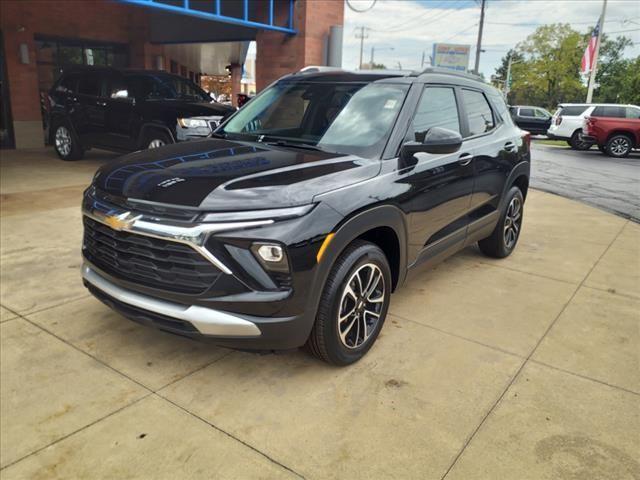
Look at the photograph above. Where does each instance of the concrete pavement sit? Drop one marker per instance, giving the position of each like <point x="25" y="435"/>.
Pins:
<point x="526" y="368"/>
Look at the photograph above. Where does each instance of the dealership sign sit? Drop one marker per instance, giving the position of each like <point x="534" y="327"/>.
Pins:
<point x="454" y="57"/>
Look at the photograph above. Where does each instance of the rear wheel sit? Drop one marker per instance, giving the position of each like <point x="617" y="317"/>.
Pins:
<point x="504" y="237"/>
<point x="66" y="143"/>
<point x="353" y="306"/>
<point x="618" y="146"/>
<point x="577" y="143"/>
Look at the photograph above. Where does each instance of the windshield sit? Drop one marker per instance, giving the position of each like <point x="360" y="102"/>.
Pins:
<point x="354" y="118"/>
<point x="166" y="87"/>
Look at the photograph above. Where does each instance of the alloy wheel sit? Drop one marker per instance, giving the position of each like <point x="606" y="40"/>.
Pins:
<point x="512" y="222"/>
<point x="361" y="305"/>
<point x="155" y="143"/>
<point x="63" y="140"/>
<point x="619" y="146"/>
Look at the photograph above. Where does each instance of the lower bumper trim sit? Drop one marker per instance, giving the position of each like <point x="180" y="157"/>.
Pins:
<point x="206" y="320"/>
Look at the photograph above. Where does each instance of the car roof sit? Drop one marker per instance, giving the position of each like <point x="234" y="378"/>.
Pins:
<point x="333" y="74"/>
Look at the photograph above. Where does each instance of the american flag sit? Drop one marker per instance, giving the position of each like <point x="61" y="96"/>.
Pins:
<point x="587" y="59"/>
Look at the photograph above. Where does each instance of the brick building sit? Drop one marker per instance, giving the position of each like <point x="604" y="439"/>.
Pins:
<point x="189" y="38"/>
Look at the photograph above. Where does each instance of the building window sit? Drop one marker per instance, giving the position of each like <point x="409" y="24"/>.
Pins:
<point x="174" y="67"/>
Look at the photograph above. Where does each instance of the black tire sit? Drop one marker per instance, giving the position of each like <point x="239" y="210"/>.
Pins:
<point x="577" y="144"/>
<point x="325" y="341"/>
<point x="66" y="143"/>
<point x="154" y="138"/>
<point x="602" y="148"/>
<point x="619" y="146"/>
<point x="501" y="243"/>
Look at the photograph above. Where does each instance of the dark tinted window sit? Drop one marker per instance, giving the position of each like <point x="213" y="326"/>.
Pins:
<point x="609" y="111"/>
<point x="633" y="113"/>
<point x="573" y="111"/>
<point x="437" y="108"/>
<point x="526" y="112"/>
<point x="541" y="113"/>
<point x="91" y="84"/>
<point x="479" y="114"/>
<point x="68" y="84"/>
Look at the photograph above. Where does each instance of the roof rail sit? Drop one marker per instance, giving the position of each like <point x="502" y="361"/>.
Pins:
<point x="447" y="71"/>
<point x="319" y="68"/>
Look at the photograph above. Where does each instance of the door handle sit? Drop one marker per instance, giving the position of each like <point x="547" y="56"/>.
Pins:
<point x="510" y="146"/>
<point x="465" y="159"/>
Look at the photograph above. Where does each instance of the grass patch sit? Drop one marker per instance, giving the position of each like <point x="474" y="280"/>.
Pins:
<point x="547" y="141"/>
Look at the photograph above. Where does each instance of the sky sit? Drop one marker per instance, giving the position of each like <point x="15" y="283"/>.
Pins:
<point x="412" y="26"/>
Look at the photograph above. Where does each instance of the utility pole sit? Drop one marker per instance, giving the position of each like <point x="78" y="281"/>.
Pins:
<point x="592" y="75"/>
<point x="373" y="51"/>
<point x="479" y="44"/>
<point x="361" y="36"/>
<point x="422" y="62"/>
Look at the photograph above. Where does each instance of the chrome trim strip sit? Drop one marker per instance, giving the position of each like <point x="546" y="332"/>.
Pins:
<point x="206" y="320"/>
<point x="195" y="236"/>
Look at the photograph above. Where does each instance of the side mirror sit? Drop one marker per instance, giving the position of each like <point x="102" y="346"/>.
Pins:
<point x="435" y="140"/>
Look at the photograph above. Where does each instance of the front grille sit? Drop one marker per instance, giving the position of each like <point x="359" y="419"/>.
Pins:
<point x="148" y="261"/>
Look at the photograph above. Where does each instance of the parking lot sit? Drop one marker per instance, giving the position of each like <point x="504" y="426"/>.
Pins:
<point x="525" y="368"/>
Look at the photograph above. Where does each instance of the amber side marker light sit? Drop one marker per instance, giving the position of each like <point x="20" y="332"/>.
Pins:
<point x="324" y="246"/>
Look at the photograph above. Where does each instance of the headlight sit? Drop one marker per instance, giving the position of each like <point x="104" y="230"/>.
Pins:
<point x="192" y="122"/>
<point x="270" y="214"/>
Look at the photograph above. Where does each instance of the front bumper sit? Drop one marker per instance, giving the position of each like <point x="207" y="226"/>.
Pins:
<point x="226" y="329"/>
<point x="241" y="306"/>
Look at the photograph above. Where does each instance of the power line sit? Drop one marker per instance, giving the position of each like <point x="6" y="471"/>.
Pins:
<point x="418" y="20"/>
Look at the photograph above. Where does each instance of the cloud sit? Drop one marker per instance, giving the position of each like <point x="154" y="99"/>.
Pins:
<point x="412" y="26"/>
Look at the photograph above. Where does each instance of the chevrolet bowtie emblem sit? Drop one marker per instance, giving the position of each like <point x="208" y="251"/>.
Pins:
<point x="122" y="221"/>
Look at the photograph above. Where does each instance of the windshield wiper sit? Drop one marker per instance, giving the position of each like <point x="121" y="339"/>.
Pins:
<point x="284" y="143"/>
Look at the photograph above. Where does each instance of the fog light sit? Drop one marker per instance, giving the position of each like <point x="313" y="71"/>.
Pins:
<point x="271" y="253"/>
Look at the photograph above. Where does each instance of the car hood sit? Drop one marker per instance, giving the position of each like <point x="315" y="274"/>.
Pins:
<point x="223" y="175"/>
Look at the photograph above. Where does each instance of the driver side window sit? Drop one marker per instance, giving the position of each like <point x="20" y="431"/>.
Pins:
<point x="437" y="108"/>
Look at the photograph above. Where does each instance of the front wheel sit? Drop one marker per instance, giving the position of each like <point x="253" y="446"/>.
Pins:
<point x="353" y="305"/>
<point x="66" y="143"/>
<point x="577" y="143"/>
<point x="504" y="237"/>
<point x="156" y="139"/>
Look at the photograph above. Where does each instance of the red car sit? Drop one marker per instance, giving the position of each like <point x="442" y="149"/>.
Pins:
<point x="615" y="129"/>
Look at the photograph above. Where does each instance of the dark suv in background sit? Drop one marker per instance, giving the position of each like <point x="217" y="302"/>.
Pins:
<point x="309" y="207"/>
<point x="126" y="110"/>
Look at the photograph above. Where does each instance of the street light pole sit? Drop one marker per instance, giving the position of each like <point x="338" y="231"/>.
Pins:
<point x="592" y="75"/>
<point x="362" y="36"/>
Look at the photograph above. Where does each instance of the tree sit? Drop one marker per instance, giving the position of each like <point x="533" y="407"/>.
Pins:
<point x="548" y="69"/>
<point x="614" y="72"/>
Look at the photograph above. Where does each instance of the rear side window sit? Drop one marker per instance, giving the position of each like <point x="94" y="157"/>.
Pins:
<point x="437" y="108"/>
<point x="610" y="111"/>
<point x="572" y="110"/>
<point x="91" y="84"/>
<point x="479" y="114"/>
<point x="633" y="113"/>
<point x="541" y="113"/>
<point x="526" y="112"/>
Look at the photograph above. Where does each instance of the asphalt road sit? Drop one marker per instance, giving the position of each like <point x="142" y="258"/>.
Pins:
<point x="590" y="177"/>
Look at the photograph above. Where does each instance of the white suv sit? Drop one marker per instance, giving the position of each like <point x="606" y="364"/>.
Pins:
<point x="569" y="121"/>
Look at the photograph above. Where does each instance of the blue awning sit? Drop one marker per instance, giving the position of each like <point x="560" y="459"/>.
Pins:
<point x="212" y="10"/>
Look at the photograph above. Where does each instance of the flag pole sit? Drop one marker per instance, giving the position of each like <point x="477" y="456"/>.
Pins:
<point x="592" y="74"/>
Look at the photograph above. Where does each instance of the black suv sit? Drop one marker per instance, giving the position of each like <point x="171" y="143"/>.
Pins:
<point x="127" y="110"/>
<point x="309" y="207"/>
<point x="535" y="120"/>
